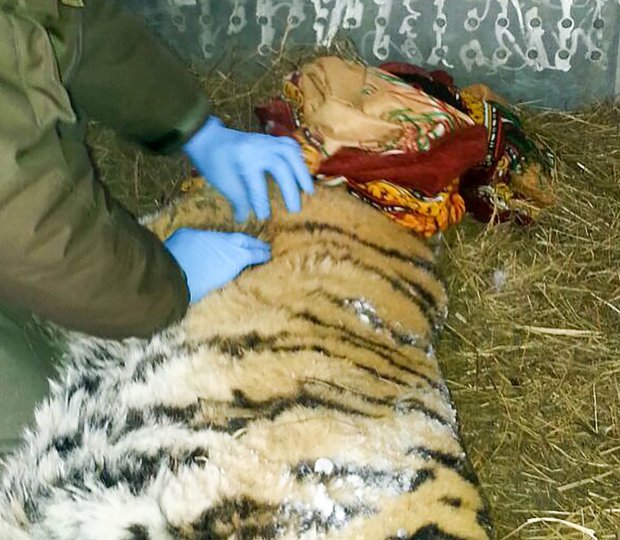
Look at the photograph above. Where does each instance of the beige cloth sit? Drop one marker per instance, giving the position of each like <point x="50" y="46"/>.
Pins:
<point x="351" y="105"/>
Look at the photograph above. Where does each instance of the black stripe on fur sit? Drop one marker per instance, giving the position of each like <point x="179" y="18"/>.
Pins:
<point x="314" y="226"/>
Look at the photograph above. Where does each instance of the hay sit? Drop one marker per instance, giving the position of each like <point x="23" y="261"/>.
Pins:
<point x="143" y="182"/>
<point x="531" y="350"/>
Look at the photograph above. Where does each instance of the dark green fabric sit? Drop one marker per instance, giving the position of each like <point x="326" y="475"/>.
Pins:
<point x="124" y="77"/>
<point x="70" y="252"/>
<point x="28" y="357"/>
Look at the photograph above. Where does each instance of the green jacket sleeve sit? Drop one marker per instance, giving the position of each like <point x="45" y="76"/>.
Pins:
<point x="129" y="81"/>
<point x="68" y="252"/>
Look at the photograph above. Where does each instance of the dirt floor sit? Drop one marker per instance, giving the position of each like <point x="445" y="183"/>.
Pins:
<point x="532" y="349"/>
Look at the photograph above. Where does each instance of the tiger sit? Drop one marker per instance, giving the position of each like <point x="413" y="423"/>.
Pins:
<point x="302" y="400"/>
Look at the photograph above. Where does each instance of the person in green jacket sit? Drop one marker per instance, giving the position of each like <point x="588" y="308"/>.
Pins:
<point x="69" y="252"/>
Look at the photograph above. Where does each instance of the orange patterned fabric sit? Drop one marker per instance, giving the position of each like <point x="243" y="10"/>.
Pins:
<point x="339" y="106"/>
<point x="513" y="182"/>
<point x="409" y="143"/>
<point x="424" y="215"/>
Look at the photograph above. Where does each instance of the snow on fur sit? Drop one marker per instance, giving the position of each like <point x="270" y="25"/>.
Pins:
<point x="301" y="401"/>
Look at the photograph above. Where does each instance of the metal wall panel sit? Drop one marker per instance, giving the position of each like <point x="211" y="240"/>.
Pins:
<point x="559" y="53"/>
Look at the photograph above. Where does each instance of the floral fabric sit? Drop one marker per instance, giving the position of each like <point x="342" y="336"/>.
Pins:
<point x="405" y="140"/>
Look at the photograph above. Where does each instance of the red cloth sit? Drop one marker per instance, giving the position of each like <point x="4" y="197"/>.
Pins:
<point x="503" y="173"/>
<point x="276" y="117"/>
<point x="427" y="172"/>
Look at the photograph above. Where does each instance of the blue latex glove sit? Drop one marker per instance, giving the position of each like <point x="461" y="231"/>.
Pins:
<point x="235" y="163"/>
<point x="211" y="259"/>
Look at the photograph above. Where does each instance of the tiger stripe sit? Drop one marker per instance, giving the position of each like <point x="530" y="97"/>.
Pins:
<point x="302" y="401"/>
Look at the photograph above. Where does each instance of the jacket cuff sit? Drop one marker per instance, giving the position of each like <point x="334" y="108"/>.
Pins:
<point x="173" y="140"/>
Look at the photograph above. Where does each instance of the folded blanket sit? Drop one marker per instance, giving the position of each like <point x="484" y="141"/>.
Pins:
<point x="408" y="142"/>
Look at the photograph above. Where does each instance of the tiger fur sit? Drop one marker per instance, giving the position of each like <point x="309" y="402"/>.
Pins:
<point x="303" y="400"/>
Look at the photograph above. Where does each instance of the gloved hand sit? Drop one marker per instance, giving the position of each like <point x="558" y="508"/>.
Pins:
<point x="235" y="163"/>
<point x="211" y="259"/>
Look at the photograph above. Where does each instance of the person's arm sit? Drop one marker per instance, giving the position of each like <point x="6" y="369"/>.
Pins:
<point x="68" y="252"/>
<point x="129" y="81"/>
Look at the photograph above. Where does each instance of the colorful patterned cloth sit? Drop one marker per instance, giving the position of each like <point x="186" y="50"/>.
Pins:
<point x="407" y="141"/>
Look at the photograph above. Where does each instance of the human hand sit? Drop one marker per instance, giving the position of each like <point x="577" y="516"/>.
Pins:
<point x="211" y="259"/>
<point x="235" y="163"/>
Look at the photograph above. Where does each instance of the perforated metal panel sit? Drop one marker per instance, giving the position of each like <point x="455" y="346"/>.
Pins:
<point x="560" y="53"/>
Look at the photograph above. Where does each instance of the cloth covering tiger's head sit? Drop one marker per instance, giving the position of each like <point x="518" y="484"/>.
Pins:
<point x="303" y="400"/>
